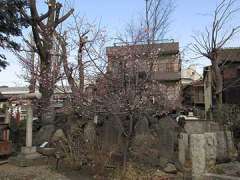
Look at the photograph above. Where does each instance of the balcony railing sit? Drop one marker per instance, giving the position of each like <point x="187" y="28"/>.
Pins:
<point x="144" y="42"/>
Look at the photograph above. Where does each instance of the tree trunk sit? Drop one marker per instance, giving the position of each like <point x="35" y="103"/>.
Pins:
<point x="125" y="156"/>
<point x="218" y="84"/>
<point x="46" y="86"/>
<point x="127" y="144"/>
<point x="81" y="66"/>
<point x="76" y="93"/>
<point x="32" y="81"/>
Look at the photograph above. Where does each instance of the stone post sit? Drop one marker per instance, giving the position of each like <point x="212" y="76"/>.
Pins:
<point x="211" y="149"/>
<point x="183" y="148"/>
<point x="29" y="150"/>
<point x="197" y="148"/>
<point x="29" y="125"/>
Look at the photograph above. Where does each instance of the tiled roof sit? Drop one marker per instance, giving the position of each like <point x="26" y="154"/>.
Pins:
<point x="23" y="90"/>
<point x="14" y="90"/>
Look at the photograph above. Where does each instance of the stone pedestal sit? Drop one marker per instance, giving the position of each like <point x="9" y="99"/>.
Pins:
<point x="30" y="153"/>
<point x="28" y="157"/>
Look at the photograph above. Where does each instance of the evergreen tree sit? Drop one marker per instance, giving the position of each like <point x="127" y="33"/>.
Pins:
<point x="11" y="24"/>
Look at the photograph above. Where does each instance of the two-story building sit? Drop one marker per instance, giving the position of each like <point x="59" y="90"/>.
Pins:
<point x="229" y="63"/>
<point x="159" y="62"/>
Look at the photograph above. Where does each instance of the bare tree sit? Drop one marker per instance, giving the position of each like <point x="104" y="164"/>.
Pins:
<point x="29" y="62"/>
<point x="153" y="25"/>
<point x="131" y="91"/>
<point x="85" y="43"/>
<point x="157" y="18"/>
<point x="43" y="29"/>
<point x="210" y="42"/>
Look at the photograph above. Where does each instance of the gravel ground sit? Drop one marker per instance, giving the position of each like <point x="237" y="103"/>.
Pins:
<point x="11" y="172"/>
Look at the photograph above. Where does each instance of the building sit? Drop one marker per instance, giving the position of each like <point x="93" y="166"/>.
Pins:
<point x="158" y="62"/>
<point x="193" y="94"/>
<point x="18" y="110"/>
<point x="5" y="144"/>
<point x="192" y="85"/>
<point x="190" y="75"/>
<point x="229" y="63"/>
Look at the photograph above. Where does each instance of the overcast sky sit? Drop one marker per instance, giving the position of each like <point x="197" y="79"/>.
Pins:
<point x="189" y="17"/>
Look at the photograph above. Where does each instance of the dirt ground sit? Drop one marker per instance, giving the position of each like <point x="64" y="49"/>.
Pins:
<point x="43" y="172"/>
<point x="11" y="172"/>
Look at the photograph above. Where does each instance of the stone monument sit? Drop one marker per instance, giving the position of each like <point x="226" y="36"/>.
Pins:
<point x="28" y="152"/>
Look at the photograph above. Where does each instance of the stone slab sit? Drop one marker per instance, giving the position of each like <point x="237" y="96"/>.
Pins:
<point x="211" y="149"/>
<point x="197" y="149"/>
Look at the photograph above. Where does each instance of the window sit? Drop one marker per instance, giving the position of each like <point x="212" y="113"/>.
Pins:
<point x="169" y="67"/>
<point x="142" y="75"/>
<point x="238" y="71"/>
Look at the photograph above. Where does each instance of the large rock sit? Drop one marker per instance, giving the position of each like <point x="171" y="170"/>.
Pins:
<point x="158" y="175"/>
<point x="44" y="134"/>
<point x="167" y="134"/>
<point x="225" y="147"/>
<point x="144" y="150"/>
<point x="111" y="134"/>
<point x="238" y="150"/>
<point x="230" y="169"/>
<point x="170" y="168"/>
<point x="58" y="136"/>
<point x="142" y="126"/>
<point x="90" y="133"/>
<point x="48" y="116"/>
<point x="163" y="162"/>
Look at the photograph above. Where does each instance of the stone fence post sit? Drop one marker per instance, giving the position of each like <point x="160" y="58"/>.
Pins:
<point x="29" y="125"/>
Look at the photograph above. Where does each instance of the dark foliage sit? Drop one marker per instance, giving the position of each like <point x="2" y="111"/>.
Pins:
<point x="11" y="24"/>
